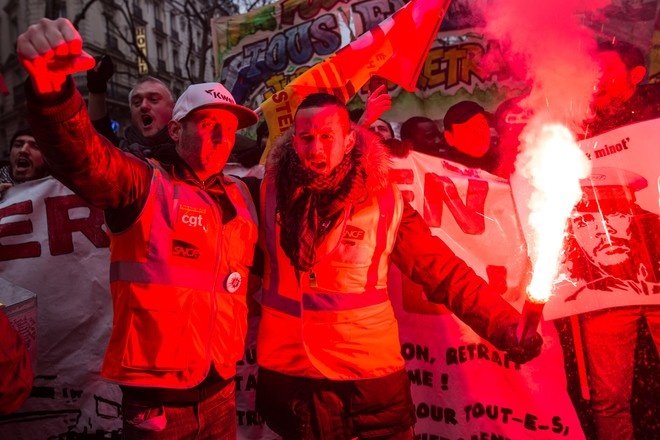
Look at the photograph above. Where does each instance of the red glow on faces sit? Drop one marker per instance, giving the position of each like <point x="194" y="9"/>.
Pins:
<point x="322" y="138"/>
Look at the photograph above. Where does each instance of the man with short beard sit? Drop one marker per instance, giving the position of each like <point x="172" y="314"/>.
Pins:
<point x="330" y="363"/>
<point x="422" y="134"/>
<point x="25" y="160"/>
<point x="621" y="98"/>
<point x="607" y="248"/>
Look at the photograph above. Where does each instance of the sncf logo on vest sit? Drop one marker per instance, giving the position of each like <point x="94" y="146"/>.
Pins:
<point x="185" y="250"/>
<point x="192" y="216"/>
<point x="353" y="233"/>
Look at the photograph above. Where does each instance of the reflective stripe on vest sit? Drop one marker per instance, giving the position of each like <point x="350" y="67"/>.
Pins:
<point x="175" y="276"/>
<point x="343" y="301"/>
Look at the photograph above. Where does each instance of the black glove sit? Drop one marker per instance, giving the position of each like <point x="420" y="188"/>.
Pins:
<point x="98" y="76"/>
<point x="525" y="350"/>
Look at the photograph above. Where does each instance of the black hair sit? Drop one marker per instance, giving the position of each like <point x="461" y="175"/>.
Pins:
<point x="409" y="127"/>
<point x="322" y="100"/>
<point x="461" y="112"/>
<point x="355" y="115"/>
<point x="251" y="156"/>
<point x="262" y="132"/>
<point x="630" y="55"/>
<point x="645" y="235"/>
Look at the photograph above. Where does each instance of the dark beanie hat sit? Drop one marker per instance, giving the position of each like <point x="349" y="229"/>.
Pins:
<point x="25" y="131"/>
<point x="461" y="112"/>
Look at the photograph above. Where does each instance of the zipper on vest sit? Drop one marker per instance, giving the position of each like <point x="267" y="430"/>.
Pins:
<point x="312" y="279"/>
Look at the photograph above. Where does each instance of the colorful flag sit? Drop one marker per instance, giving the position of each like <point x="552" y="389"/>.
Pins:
<point x="395" y="49"/>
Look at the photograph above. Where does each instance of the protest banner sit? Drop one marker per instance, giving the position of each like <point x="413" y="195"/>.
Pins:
<point x="53" y="244"/>
<point x="462" y="386"/>
<point x="259" y="53"/>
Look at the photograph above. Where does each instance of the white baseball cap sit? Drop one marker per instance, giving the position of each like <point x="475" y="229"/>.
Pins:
<point x="212" y="94"/>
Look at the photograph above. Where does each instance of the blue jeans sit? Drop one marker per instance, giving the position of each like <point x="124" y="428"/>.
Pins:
<point x="609" y="338"/>
<point x="211" y="418"/>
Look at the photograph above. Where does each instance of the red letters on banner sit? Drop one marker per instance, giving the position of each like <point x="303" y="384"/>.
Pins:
<point x="61" y="228"/>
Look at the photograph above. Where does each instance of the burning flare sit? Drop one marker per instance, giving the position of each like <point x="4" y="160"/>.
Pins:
<point x="552" y="164"/>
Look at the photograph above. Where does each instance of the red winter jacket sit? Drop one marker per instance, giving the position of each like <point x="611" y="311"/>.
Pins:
<point x="15" y="368"/>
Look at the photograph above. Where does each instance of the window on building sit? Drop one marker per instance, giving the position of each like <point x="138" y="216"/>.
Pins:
<point x="174" y="26"/>
<point x="176" y="62"/>
<point x="158" y="17"/>
<point x="137" y="10"/>
<point x="55" y="9"/>
<point x="160" y="53"/>
<point x="159" y="50"/>
<point x="173" y="23"/>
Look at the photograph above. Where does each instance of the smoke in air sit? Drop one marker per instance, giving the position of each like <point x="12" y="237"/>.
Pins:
<point x="548" y="46"/>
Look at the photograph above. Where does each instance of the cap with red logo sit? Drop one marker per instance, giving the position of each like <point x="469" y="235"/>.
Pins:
<point x="212" y="95"/>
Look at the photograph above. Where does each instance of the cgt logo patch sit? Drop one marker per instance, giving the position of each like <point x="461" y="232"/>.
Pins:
<point x="353" y="233"/>
<point x="185" y="250"/>
<point x="191" y="216"/>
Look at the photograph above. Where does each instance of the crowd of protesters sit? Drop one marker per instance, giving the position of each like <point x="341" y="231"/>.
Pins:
<point x="179" y="323"/>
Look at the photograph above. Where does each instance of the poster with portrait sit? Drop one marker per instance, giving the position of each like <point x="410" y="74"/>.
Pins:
<point x="608" y="272"/>
<point x="612" y="247"/>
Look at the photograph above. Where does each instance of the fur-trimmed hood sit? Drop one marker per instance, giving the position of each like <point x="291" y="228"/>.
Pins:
<point x="375" y="158"/>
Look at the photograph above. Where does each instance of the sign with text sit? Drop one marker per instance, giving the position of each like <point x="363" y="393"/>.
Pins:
<point x="463" y="387"/>
<point x="612" y="247"/>
<point x="53" y="244"/>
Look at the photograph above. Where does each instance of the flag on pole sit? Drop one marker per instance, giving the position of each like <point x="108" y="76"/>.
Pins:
<point x="395" y="49"/>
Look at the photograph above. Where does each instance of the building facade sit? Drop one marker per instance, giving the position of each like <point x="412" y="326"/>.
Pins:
<point x="173" y="42"/>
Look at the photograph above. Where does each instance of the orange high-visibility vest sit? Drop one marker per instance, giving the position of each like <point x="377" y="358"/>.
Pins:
<point x="178" y="279"/>
<point x="337" y="321"/>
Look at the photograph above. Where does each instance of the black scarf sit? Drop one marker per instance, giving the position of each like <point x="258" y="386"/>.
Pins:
<point x="309" y="204"/>
<point x="160" y="146"/>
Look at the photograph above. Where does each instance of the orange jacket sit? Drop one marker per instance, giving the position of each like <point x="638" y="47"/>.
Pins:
<point x="174" y="277"/>
<point x="337" y="322"/>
